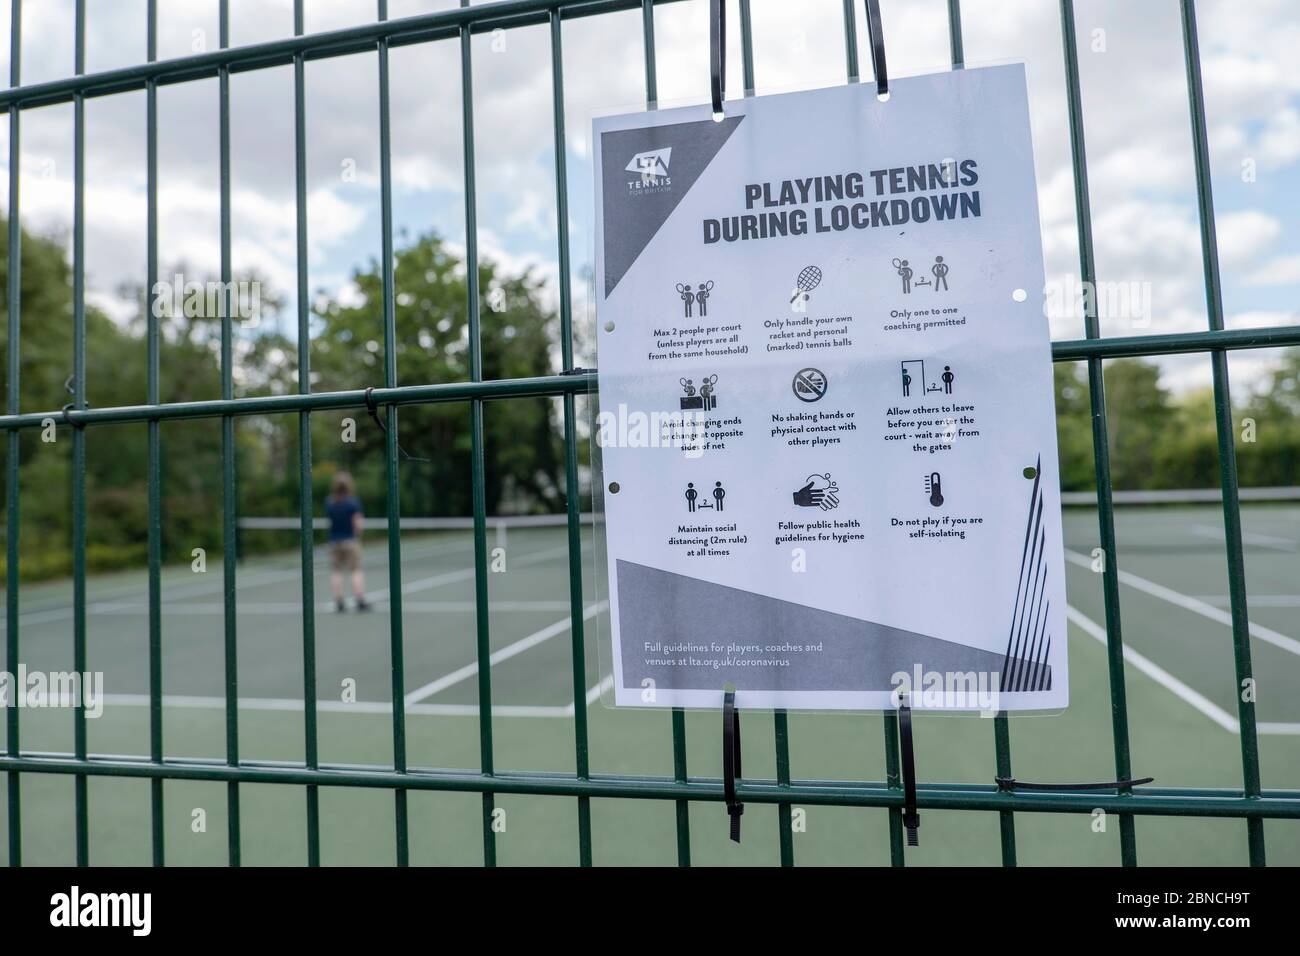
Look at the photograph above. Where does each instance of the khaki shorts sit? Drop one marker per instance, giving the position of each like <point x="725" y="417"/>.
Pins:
<point x="345" y="555"/>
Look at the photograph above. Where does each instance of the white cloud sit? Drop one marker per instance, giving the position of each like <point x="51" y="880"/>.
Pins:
<point x="1280" y="270"/>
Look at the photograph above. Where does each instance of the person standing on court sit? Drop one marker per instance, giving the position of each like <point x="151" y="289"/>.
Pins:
<point x="346" y="519"/>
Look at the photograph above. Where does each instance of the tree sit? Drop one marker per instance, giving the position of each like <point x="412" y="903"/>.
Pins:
<point x="523" y="450"/>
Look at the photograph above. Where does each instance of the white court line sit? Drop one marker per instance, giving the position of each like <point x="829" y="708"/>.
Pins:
<point x="1249" y="537"/>
<point x="1288" y="644"/>
<point x="270" y="607"/>
<point x="464" y="574"/>
<point x="1177" y="687"/>
<point x="289" y="704"/>
<point x="292" y="705"/>
<point x="1256" y="600"/>
<point x="507" y="652"/>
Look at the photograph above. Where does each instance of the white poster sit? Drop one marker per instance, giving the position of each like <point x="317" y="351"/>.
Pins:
<point x="826" y="402"/>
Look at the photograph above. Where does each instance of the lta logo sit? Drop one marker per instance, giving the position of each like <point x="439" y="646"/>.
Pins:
<point x="652" y="169"/>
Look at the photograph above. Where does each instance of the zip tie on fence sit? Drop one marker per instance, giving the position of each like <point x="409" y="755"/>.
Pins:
<point x="1011" y="783"/>
<point x="373" y="408"/>
<point x="68" y="408"/>
<point x="731" y="759"/>
<point x="911" y="819"/>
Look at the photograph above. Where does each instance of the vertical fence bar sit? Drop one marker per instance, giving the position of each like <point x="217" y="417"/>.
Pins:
<point x="12" y="513"/>
<point x="229" y="529"/>
<point x="571" y="490"/>
<point x="81" y="787"/>
<point x="1001" y="726"/>
<point x="678" y="715"/>
<point x="892" y="772"/>
<point x="894" y="780"/>
<point x="307" y="504"/>
<point x="648" y="43"/>
<point x="850" y="42"/>
<point x="1006" y="819"/>
<point x="1100" y="440"/>
<point x="784" y="824"/>
<point x="955" y="46"/>
<point x="396" y="653"/>
<point x="477" y="475"/>
<point x="780" y="719"/>
<point x="155" y="453"/>
<point x="747" y="47"/>
<point x="1224" y="425"/>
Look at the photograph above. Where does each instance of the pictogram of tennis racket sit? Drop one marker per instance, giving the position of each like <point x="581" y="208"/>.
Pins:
<point x="809" y="278"/>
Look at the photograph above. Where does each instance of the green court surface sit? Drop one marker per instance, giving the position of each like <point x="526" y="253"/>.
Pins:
<point x="1181" y="709"/>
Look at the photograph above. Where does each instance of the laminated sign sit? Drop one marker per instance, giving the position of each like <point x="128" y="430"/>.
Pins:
<point x="826" y="403"/>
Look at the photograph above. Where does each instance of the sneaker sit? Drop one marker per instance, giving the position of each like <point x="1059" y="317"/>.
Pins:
<point x="362" y="605"/>
<point x="340" y="607"/>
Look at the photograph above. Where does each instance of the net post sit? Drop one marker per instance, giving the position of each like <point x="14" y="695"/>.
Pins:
<point x="1228" y="479"/>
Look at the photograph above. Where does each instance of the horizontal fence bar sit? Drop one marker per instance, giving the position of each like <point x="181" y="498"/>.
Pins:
<point x="1167" y="802"/>
<point x="422" y="28"/>
<point x="540" y="386"/>
<point x="1068" y="350"/>
<point x="434" y="523"/>
<point x="1177" y="496"/>
<point x="1175" y="343"/>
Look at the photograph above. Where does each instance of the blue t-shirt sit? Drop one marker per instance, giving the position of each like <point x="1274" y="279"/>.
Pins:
<point x="340" y="511"/>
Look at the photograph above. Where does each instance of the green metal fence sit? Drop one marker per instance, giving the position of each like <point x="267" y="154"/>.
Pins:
<point x="1250" y="802"/>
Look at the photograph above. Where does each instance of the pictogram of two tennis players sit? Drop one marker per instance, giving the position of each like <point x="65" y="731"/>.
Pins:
<point x="939" y="270"/>
<point x="696" y="296"/>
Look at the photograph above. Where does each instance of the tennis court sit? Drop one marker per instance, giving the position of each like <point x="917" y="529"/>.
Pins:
<point x="1182" y="712"/>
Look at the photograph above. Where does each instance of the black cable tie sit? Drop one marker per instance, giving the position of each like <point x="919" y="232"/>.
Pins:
<point x="579" y="371"/>
<point x="731" y="760"/>
<point x="71" y="406"/>
<point x="911" y="819"/>
<point x="1011" y="783"/>
<point x="877" y="34"/>
<point x="718" y="54"/>
<point x="373" y="408"/>
<point x="67" y="416"/>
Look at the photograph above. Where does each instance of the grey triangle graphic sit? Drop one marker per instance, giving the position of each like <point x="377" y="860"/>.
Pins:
<point x="658" y="609"/>
<point x="638" y="201"/>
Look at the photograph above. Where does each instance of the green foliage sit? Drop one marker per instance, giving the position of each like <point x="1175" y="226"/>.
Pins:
<point x="524" y="453"/>
<point x="524" y="460"/>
